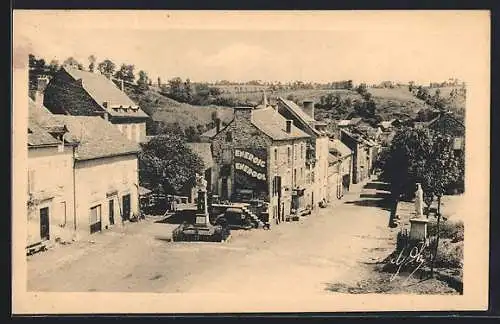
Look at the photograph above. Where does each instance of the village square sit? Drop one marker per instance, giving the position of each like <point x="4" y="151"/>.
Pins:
<point x="143" y="181"/>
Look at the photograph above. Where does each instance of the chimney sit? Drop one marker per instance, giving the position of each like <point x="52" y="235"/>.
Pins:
<point x="288" y="126"/>
<point x="217" y="125"/>
<point x="121" y="85"/>
<point x="309" y="107"/>
<point x="41" y="85"/>
<point x="105" y="104"/>
<point x="243" y="113"/>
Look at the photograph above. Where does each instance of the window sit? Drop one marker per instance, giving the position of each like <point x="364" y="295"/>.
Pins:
<point x="294" y="177"/>
<point x="295" y="152"/>
<point x="289" y="154"/>
<point x="302" y="151"/>
<point x="301" y="174"/>
<point x="229" y="137"/>
<point x="276" y="156"/>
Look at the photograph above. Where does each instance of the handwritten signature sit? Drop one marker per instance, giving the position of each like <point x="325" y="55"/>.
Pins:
<point x="406" y="259"/>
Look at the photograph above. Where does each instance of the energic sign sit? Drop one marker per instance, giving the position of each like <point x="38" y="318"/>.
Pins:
<point x="250" y="164"/>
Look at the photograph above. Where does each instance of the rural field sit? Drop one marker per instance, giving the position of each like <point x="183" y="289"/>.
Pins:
<point x="164" y="109"/>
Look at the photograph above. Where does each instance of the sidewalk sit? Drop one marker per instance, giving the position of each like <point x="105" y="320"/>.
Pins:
<point x="58" y="254"/>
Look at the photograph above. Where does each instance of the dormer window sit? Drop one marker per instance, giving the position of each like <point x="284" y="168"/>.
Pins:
<point x="105" y="104"/>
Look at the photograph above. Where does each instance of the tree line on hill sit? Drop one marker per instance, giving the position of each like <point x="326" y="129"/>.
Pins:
<point x="126" y="72"/>
<point x="436" y="101"/>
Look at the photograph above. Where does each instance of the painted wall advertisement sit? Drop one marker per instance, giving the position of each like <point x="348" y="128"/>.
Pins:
<point x="250" y="168"/>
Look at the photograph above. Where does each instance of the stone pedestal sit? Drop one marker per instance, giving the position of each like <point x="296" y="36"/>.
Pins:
<point x="418" y="228"/>
<point x="202" y="216"/>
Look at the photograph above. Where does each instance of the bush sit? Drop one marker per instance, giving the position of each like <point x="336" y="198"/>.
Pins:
<point x="447" y="230"/>
<point x="450" y="254"/>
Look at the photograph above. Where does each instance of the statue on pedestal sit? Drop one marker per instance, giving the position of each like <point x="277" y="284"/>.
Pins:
<point x="419" y="201"/>
<point x="201" y="183"/>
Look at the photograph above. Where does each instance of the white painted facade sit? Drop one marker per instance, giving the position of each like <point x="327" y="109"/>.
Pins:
<point x="321" y="169"/>
<point x="50" y="183"/>
<point x="133" y="131"/>
<point x="103" y="182"/>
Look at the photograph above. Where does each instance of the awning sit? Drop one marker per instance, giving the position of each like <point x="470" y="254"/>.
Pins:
<point x="234" y="210"/>
<point x="143" y="191"/>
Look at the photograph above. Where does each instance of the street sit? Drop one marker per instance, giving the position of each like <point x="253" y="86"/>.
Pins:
<point x="302" y="257"/>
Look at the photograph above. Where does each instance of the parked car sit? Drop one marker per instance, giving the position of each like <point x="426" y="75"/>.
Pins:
<point x="235" y="219"/>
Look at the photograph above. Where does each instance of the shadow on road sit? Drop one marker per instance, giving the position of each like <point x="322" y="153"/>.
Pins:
<point x="377" y="186"/>
<point x="179" y="217"/>
<point x="380" y="203"/>
<point x="381" y="195"/>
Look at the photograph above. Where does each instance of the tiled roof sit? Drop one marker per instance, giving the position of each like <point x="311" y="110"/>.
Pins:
<point x="297" y="110"/>
<point x="340" y="147"/>
<point x="204" y="152"/>
<point x="210" y="133"/>
<point x="97" y="138"/>
<point x="143" y="191"/>
<point x="102" y="89"/>
<point x="38" y="136"/>
<point x="273" y="124"/>
<point x="355" y="121"/>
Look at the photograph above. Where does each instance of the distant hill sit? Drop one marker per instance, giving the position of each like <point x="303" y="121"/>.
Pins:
<point x="456" y="102"/>
<point x="396" y="102"/>
<point x="161" y="108"/>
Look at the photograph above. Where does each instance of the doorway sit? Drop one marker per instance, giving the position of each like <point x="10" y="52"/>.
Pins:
<point x="111" y="211"/>
<point x="225" y="195"/>
<point x="95" y="219"/>
<point x="44" y="224"/>
<point x="126" y="207"/>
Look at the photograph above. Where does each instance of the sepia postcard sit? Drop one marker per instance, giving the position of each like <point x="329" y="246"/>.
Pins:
<point x="236" y="162"/>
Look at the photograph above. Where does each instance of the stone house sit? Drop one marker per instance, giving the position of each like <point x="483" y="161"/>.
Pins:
<point x="317" y="152"/>
<point x="50" y="184"/>
<point x="361" y="155"/>
<point x="263" y="154"/>
<point x="82" y="93"/>
<point x="339" y="169"/>
<point x="104" y="171"/>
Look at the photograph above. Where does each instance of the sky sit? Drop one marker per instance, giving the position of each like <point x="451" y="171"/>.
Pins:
<point x="362" y="46"/>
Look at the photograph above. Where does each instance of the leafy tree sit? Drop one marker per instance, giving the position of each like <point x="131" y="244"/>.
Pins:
<point x="34" y="63"/>
<point x="142" y="82"/>
<point x="188" y="91"/>
<point x="126" y="73"/>
<point x="54" y="66"/>
<point x="175" y="88"/>
<point x="72" y="62"/>
<point x="168" y="162"/>
<point x="92" y="60"/>
<point x="106" y="67"/>
<point x="361" y="88"/>
<point x="403" y="160"/>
